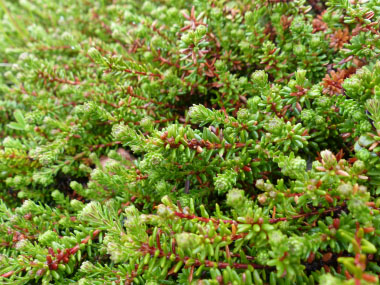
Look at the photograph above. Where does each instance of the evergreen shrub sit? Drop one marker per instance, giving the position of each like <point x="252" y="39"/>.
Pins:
<point x="190" y="142"/>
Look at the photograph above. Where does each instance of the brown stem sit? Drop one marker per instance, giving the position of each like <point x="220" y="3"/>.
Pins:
<point x="146" y="249"/>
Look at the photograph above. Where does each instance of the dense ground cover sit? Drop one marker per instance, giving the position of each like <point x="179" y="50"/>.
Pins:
<point x="189" y="142"/>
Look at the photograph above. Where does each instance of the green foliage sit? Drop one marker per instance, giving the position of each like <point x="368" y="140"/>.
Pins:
<point x="189" y="142"/>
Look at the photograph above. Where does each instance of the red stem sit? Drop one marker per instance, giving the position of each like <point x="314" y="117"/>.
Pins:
<point x="271" y="221"/>
<point x="146" y="249"/>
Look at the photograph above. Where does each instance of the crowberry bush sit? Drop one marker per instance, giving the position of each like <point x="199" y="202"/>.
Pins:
<point x="190" y="142"/>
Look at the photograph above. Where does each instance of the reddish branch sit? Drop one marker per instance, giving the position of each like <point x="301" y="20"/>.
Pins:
<point x="199" y="145"/>
<point x="61" y="257"/>
<point x="146" y="249"/>
<point x="163" y="60"/>
<point x="18" y="236"/>
<point x="158" y="31"/>
<point x="47" y="78"/>
<point x="143" y="73"/>
<point x="94" y="147"/>
<point x="331" y="210"/>
<point x="271" y="221"/>
<point x="46" y="48"/>
<point x="16" y="156"/>
<point x="206" y="220"/>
